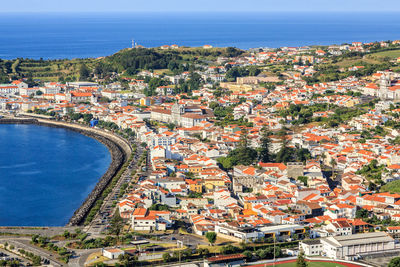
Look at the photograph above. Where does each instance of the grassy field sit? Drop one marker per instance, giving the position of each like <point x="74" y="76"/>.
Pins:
<point x="48" y="70"/>
<point x="357" y="61"/>
<point x="212" y="249"/>
<point x="391" y="54"/>
<point x="96" y="258"/>
<point x="312" y="264"/>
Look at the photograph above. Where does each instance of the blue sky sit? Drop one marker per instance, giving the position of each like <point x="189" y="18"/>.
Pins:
<point x="197" y="5"/>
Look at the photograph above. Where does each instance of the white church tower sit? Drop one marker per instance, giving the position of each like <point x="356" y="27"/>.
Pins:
<point x="384" y="85"/>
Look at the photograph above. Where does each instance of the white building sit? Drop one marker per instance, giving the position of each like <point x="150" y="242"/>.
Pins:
<point x="311" y="247"/>
<point x="112" y="253"/>
<point x="163" y="140"/>
<point x="339" y="228"/>
<point x="50" y="90"/>
<point x="283" y="231"/>
<point x="354" y="246"/>
<point x="238" y="234"/>
<point x="7" y="90"/>
<point x="28" y="91"/>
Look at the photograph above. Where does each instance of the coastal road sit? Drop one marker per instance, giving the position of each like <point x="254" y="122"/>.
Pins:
<point x="24" y="243"/>
<point x="103" y="217"/>
<point x="22" y="260"/>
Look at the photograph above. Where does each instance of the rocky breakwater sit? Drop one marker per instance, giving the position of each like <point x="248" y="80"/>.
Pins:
<point x="120" y="151"/>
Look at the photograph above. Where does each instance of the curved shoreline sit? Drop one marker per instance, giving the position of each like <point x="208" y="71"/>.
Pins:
<point x="119" y="149"/>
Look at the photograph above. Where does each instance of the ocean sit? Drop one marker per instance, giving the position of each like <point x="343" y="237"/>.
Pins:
<point x="82" y="35"/>
<point x="46" y="173"/>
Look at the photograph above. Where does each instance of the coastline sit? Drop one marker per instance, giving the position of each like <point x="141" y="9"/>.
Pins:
<point x="119" y="149"/>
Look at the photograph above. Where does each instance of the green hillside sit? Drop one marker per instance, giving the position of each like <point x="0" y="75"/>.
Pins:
<point x="127" y="62"/>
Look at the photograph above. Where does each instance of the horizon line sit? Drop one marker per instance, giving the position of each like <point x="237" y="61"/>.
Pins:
<point x="199" y="11"/>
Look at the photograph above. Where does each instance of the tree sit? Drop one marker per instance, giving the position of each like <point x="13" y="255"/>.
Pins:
<point x="239" y="156"/>
<point x="36" y="260"/>
<point x="303" y="154"/>
<point x="66" y="234"/>
<point x="203" y="251"/>
<point x="244" y="138"/>
<point x="158" y="206"/>
<point x="116" y="224"/>
<point x="171" y="126"/>
<point x="261" y="254"/>
<point x="395" y="262"/>
<point x="233" y="52"/>
<point x="362" y="213"/>
<point x="303" y="179"/>
<point x="285" y="154"/>
<point x="84" y="72"/>
<point x="194" y="81"/>
<point x="248" y="254"/>
<point x="264" y="153"/>
<point x="166" y="257"/>
<point x="301" y="260"/>
<point x="211" y="237"/>
<point x="187" y="253"/>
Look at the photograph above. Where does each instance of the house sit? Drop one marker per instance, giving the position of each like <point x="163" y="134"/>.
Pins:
<point x="146" y="223"/>
<point x="190" y="120"/>
<point x="75" y="96"/>
<point x="144" y="220"/>
<point x="112" y="253"/>
<point x="7" y="90"/>
<point x="311" y="247"/>
<point x="20" y="84"/>
<point x="340" y="227"/>
<point x="341" y="211"/>
<point x="110" y="94"/>
<point x="28" y="91"/>
<point x="394" y="231"/>
<point x="309" y="209"/>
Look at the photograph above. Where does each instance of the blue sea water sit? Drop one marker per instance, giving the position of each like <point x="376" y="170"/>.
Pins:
<point x="46" y="173"/>
<point x="80" y="35"/>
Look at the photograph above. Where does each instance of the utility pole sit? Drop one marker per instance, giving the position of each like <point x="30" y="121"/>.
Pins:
<point x="274" y="248"/>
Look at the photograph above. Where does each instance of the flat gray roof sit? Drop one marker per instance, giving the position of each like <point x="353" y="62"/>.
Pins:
<point x="358" y="239"/>
<point x="281" y="227"/>
<point x="311" y="242"/>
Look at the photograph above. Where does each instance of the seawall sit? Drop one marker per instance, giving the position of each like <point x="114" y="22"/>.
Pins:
<point x="119" y="148"/>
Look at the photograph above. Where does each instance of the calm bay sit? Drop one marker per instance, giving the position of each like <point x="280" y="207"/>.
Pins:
<point x="46" y="173"/>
